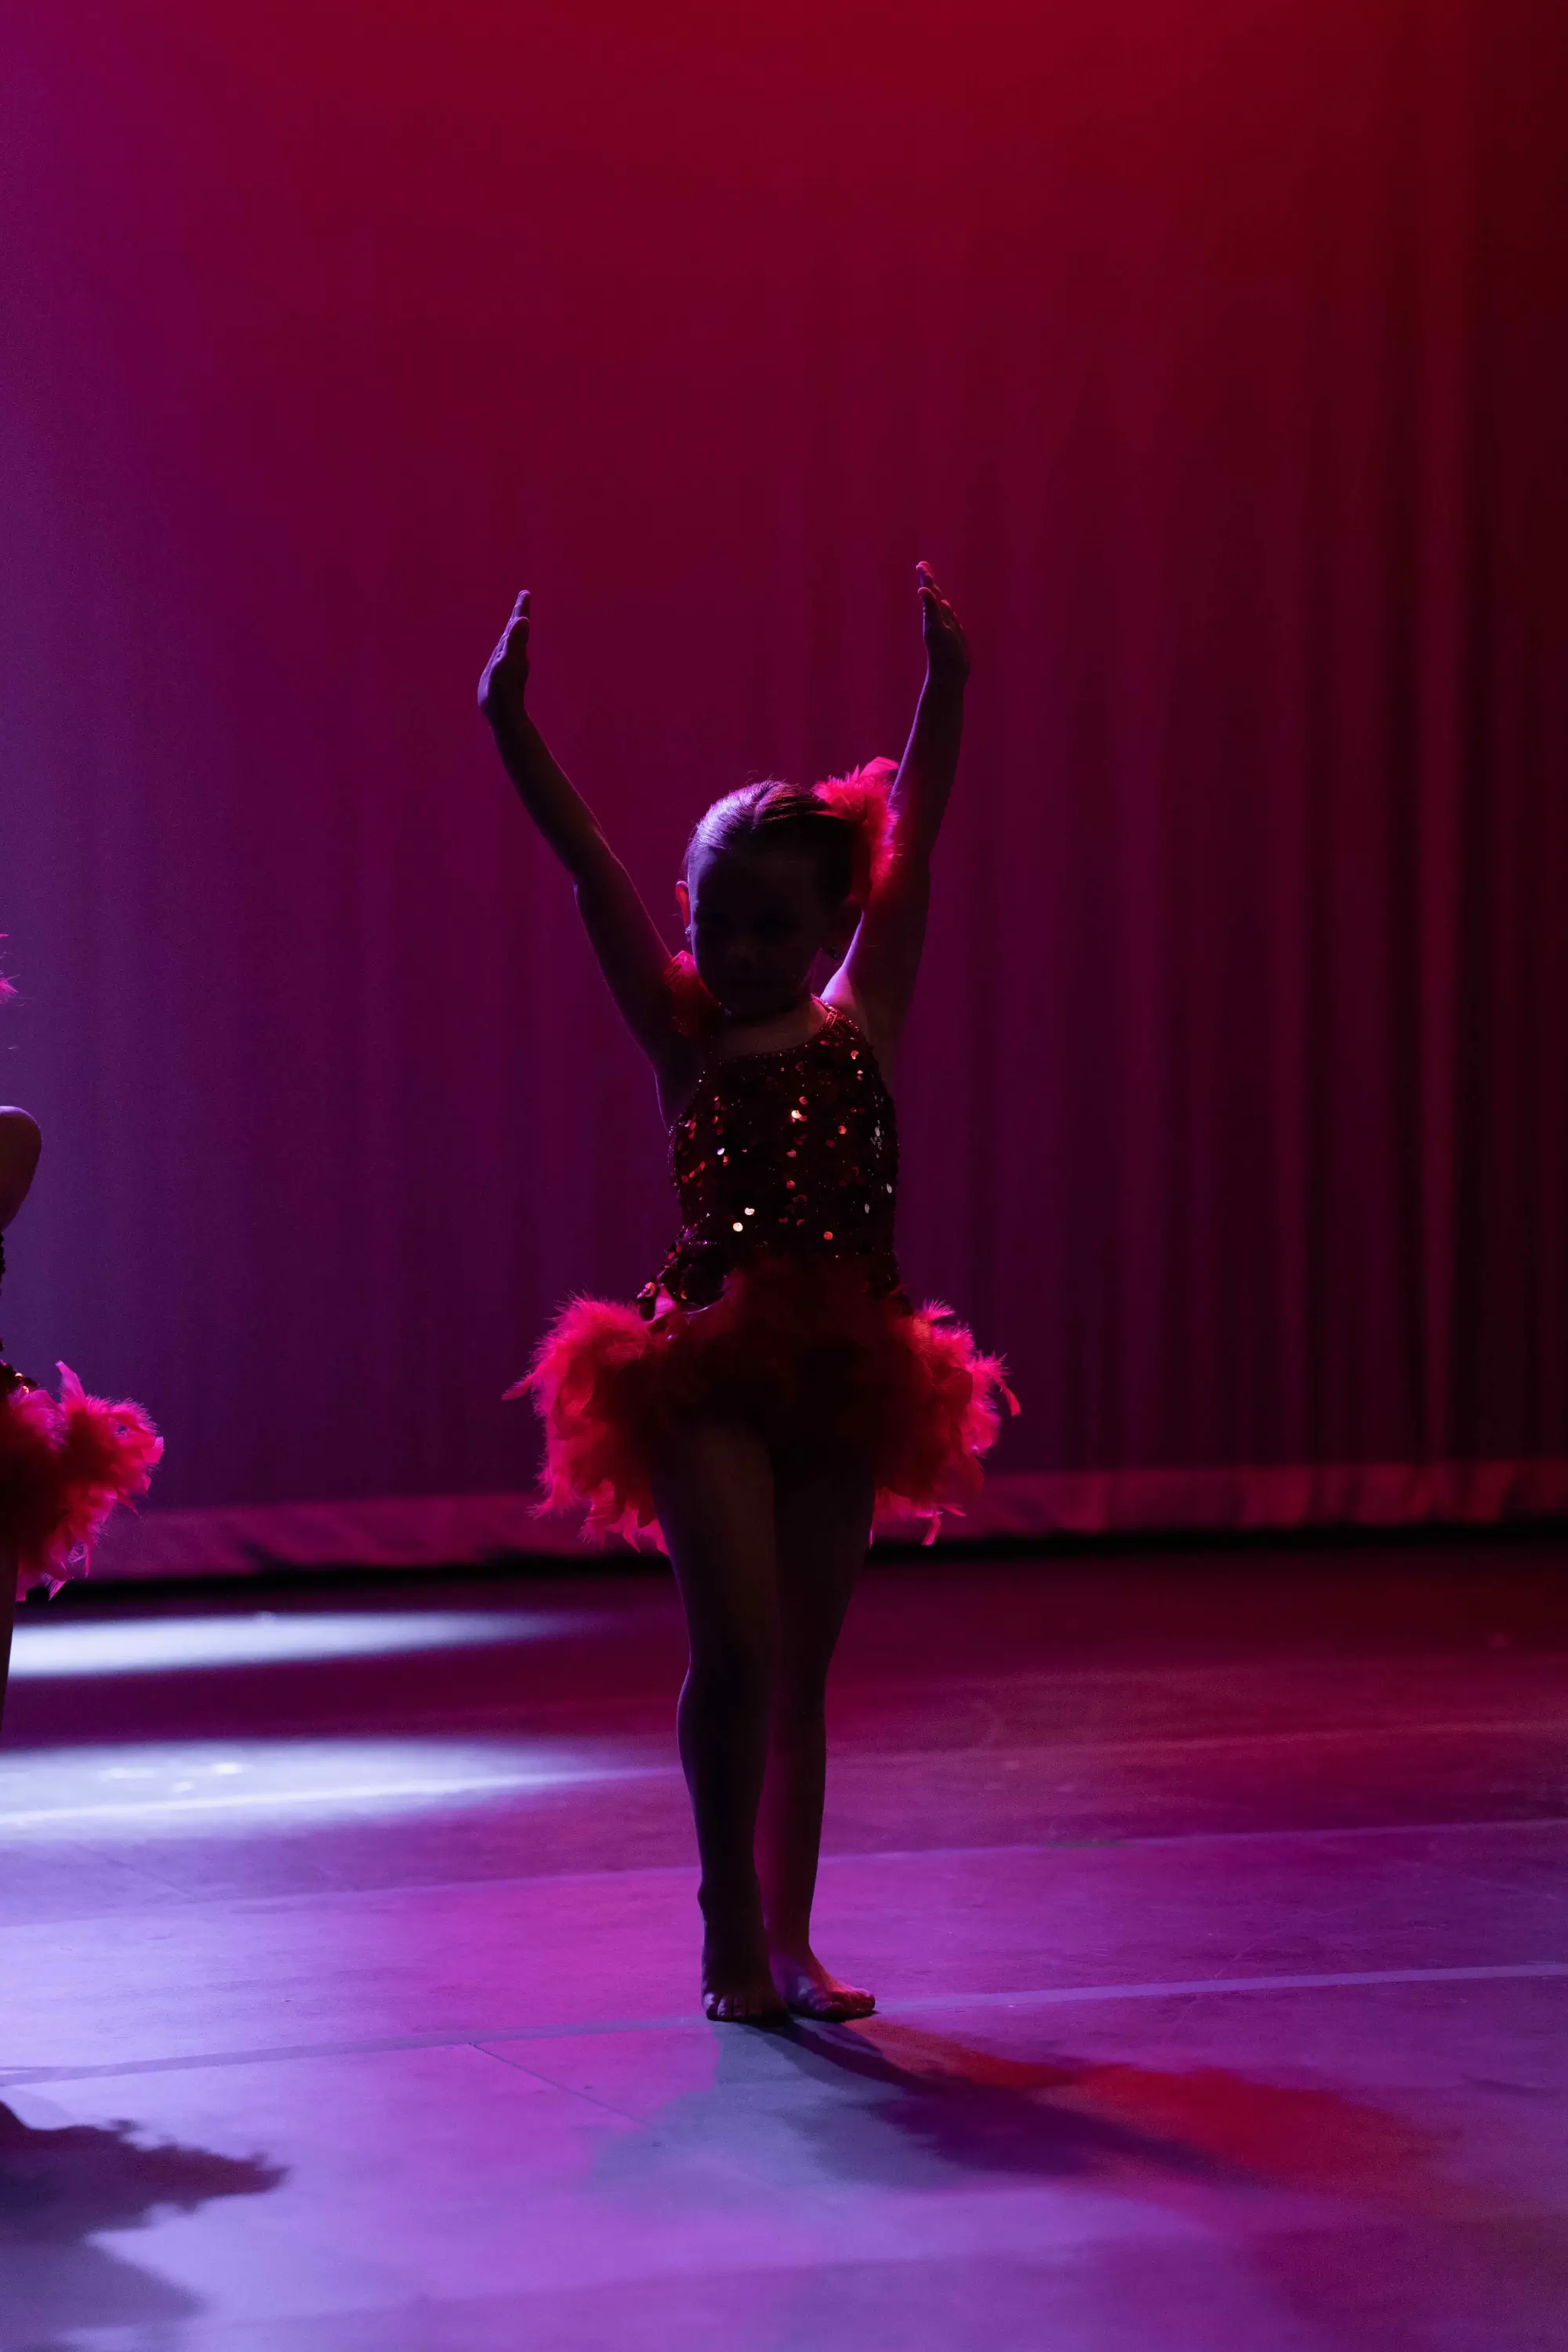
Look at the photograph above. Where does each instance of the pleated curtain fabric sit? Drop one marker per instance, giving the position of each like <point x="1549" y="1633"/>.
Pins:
<point x="1218" y="356"/>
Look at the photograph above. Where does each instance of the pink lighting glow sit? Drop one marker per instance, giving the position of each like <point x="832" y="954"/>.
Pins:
<point x="1217" y="356"/>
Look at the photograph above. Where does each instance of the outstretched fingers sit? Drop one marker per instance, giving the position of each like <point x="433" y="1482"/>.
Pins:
<point x="506" y="672"/>
<point x="931" y="594"/>
<point x="946" y="645"/>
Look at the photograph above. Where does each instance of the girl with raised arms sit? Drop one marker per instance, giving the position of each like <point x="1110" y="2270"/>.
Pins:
<point x="771" y="1388"/>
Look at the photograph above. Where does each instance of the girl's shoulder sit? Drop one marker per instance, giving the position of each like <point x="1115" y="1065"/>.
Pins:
<point x="839" y="998"/>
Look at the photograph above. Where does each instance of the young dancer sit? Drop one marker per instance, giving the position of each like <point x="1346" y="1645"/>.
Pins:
<point x="63" y="1465"/>
<point x="773" y="1386"/>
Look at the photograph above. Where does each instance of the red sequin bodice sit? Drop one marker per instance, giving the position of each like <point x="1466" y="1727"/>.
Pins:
<point x="795" y="1152"/>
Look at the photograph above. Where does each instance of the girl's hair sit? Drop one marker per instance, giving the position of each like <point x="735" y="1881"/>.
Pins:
<point x="842" y="826"/>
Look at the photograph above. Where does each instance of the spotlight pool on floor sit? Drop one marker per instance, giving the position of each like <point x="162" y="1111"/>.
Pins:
<point x="207" y="1787"/>
<point x="144" y="1645"/>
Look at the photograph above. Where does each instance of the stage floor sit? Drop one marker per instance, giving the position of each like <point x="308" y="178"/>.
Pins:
<point x="1218" y="1909"/>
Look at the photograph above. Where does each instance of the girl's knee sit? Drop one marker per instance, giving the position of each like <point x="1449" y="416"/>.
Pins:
<point x="733" y="1661"/>
<point x="798" y="1707"/>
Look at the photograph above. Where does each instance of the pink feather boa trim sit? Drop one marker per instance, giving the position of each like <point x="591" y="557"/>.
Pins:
<point x="64" y="1465"/>
<point x="908" y="1387"/>
<point x="861" y="799"/>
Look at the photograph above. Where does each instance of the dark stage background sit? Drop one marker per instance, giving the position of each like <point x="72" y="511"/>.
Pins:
<point x="1215" y="352"/>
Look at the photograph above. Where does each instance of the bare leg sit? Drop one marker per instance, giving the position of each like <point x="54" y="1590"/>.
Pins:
<point x="823" y="1516"/>
<point x="713" y="1488"/>
<point x="7" y="1611"/>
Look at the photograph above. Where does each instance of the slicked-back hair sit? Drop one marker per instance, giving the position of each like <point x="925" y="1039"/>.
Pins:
<point x="773" y="815"/>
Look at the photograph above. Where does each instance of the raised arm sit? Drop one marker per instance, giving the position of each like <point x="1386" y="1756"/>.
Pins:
<point x="632" y="955"/>
<point x="876" y="978"/>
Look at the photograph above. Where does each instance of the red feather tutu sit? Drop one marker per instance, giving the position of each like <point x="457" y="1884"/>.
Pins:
<point x="64" y="1465"/>
<point x="808" y="1340"/>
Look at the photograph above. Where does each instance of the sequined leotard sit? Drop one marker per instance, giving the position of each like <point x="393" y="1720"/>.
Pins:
<point x="786" y="1168"/>
<point x="794" y="1152"/>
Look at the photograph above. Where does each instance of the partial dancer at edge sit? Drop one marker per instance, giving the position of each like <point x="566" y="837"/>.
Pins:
<point x="771" y="1388"/>
<point x="65" y="1463"/>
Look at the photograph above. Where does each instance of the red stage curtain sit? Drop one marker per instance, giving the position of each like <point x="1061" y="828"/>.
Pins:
<point x="1215" y="352"/>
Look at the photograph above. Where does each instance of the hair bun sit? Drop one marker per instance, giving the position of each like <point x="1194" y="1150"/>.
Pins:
<point x="860" y="798"/>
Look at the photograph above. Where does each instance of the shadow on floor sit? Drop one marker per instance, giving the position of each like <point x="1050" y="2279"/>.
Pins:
<point x="946" y="2103"/>
<point x="59" y="2188"/>
<point x="1300" y="2215"/>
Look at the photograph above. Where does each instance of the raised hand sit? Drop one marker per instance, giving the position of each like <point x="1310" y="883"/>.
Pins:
<point x="633" y="956"/>
<point x="947" y="648"/>
<point x="506" y="672"/>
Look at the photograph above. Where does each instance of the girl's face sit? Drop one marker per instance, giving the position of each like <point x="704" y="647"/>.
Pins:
<point x="755" y="924"/>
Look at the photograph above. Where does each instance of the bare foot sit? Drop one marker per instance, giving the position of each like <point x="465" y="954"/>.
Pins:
<point x="752" y="2003"/>
<point x="737" y="1987"/>
<point x="811" y="1991"/>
